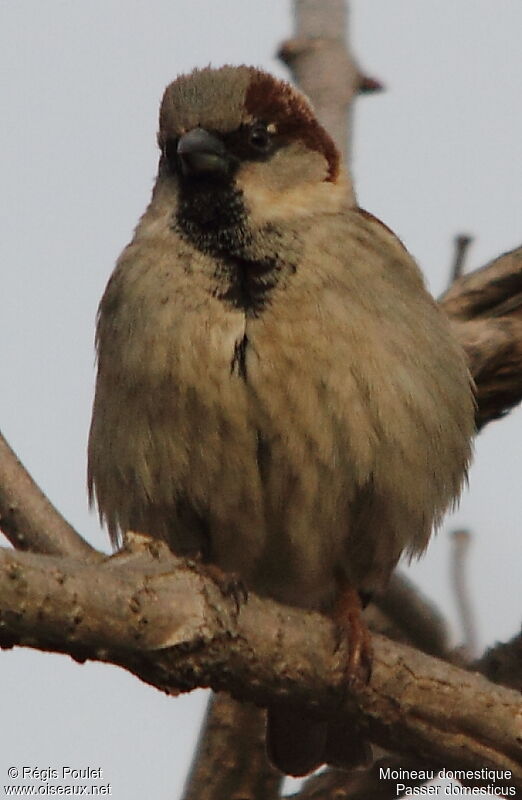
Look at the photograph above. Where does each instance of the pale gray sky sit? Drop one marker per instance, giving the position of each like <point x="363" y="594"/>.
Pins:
<point x="437" y="154"/>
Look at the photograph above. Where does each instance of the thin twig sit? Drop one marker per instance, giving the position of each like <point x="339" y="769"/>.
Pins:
<point x="368" y="85"/>
<point x="462" y="243"/>
<point x="461" y="545"/>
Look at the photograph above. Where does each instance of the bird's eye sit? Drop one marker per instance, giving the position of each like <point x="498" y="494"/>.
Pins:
<point x="259" y="137"/>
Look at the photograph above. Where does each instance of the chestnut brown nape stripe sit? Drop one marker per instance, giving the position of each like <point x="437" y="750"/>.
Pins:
<point x="278" y="102"/>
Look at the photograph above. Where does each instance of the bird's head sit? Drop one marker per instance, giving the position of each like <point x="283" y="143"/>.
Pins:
<point x="240" y="130"/>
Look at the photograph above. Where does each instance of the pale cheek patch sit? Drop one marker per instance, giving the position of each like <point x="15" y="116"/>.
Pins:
<point x="266" y="202"/>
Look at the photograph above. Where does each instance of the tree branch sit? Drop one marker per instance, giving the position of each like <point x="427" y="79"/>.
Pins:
<point x="411" y="618"/>
<point x="28" y="519"/>
<point x="320" y="64"/>
<point x="460" y="550"/>
<point x="462" y="243"/>
<point x="485" y="307"/>
<point x="167" y="623"/>
<point x="503" y="663"/>
<point x="230" y="759"/>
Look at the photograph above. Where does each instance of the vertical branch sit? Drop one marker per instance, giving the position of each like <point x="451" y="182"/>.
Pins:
<point x="321" y="65"/>
<point x="230" y="759"/>
<point x="461" y="544"/>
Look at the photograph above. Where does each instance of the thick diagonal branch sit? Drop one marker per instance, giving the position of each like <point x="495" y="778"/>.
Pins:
<point x="171" y="626"/>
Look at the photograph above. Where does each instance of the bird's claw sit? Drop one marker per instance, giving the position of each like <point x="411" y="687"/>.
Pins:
<point x="229" y="584"/>
<point x="351" y="626"/>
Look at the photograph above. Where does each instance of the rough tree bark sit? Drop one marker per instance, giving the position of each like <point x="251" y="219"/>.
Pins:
<point x="167" y="622"/>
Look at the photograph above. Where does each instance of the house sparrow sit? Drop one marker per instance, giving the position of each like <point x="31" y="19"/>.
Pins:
<point x="276" y="392"/>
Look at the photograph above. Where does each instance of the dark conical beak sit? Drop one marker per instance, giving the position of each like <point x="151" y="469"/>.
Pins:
<point x="202" y="154"/>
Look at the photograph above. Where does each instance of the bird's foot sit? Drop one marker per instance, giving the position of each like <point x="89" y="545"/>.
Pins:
<point x="229" y="583"/>
<point x="348" y="617"/>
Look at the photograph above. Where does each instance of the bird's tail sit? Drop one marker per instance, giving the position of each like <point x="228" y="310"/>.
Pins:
<point x="295" y="743"/>
<point x="298" y="743"/>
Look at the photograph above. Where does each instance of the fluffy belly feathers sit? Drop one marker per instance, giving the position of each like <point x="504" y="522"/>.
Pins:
<point x="320" y="439"/>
